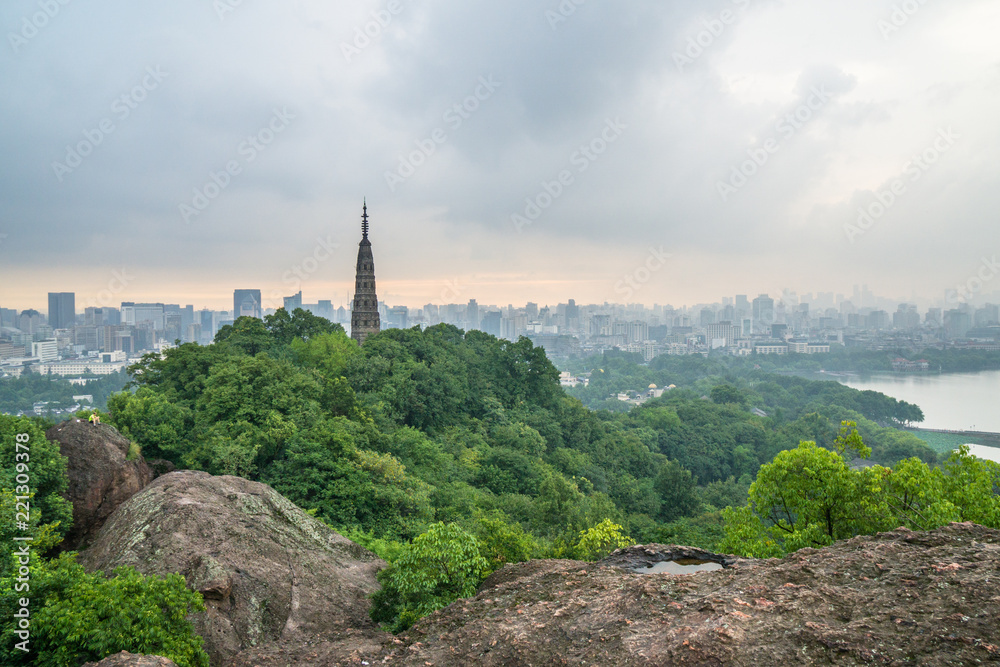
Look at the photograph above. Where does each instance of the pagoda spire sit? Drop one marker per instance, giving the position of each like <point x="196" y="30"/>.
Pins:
<point x="364" y="220"/>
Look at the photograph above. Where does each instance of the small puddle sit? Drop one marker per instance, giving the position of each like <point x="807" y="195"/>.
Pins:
<point x="682" y="566"/>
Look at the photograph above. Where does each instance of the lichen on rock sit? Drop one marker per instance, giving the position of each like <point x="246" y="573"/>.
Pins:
<point x="269" y="572"/>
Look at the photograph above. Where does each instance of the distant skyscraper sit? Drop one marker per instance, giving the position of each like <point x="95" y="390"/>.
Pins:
<point x="572" y="315"/>
<point x="153" y="313"/>
<point x="472" y="315"/>
<point x="364" y="312"/>
<point x="399" y="317"/>
<point x="62" y="310"/>
<point x="491" y="323"/>
<point x="324" y="309"/>
<point x="246" y="303"/>
<point x="30" y="321"/>
<point x="763" y="311"/>
<point x="187" y="317"/>
<point x="292" y="302"/>
<point x="206" y="320"/>
<point x="742" y="305"/>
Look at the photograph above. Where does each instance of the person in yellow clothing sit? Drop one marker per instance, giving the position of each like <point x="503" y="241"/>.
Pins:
<point x="95" y="419"/>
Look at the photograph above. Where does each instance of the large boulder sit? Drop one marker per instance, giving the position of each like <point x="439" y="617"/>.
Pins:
<point x="126" y="659"/>
<point x="270" y="573"/>
<point x="897" y="598"/>
<point x="101" y="475"/>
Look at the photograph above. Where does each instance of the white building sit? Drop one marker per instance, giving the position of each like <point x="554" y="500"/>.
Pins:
<point x="65" y="368"/>
<point x="805" y="347"/>
<point x="46" y="350"/>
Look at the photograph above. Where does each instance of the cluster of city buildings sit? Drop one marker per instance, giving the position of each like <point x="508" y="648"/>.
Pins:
<point x="104" y="340"/>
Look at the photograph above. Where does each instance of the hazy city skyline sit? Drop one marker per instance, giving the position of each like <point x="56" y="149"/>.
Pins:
<point x="511" y="153"/>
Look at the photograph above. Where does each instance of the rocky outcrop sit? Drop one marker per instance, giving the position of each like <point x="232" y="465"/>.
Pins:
<point x="898" y="598"/>
<point x="270" y="574"/>
<point x="160" y="467"/>
<point x="126" y="659"/>
<point x="101" y="477"/>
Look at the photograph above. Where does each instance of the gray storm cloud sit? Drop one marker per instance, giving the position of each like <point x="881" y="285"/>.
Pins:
<point x="748" y="135"/>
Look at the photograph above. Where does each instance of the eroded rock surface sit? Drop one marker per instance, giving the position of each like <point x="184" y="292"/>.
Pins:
<point x="126" y="659"/>
<point x="899" y="598"/>
<point x="100" y="475"/>
<point x="269" y="572"/>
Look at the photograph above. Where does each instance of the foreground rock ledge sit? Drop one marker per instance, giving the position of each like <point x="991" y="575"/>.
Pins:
<point x="126" y="659"/>
<point x="898" y="598"/>
<point x="268" y="571"/>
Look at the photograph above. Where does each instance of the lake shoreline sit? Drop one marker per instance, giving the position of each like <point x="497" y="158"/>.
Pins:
<point x="960" y="403"/>
<point x="944" y="441"/>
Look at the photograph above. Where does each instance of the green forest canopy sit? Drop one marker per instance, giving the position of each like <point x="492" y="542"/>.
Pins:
<point x="418" y="427"/>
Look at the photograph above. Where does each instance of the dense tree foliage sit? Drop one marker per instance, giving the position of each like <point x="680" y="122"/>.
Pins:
<point x="18" y="395"/>
<point x="810" y="497"/>
<point x="738" y="381"/>
<point x="74" y="616"/>
<point x="840" y="358"/>
<point x="87" y="617"/>
<point x="439" y="425"/>
<point x="25" y="454"/>
<point x="441" y="565"/>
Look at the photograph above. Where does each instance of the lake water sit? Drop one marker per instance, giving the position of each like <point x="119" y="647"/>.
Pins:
<point x="983" y="452"/>
<point x="952" y="401"/>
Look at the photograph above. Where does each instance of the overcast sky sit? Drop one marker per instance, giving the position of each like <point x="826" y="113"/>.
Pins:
<point x="509" y="151"/>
